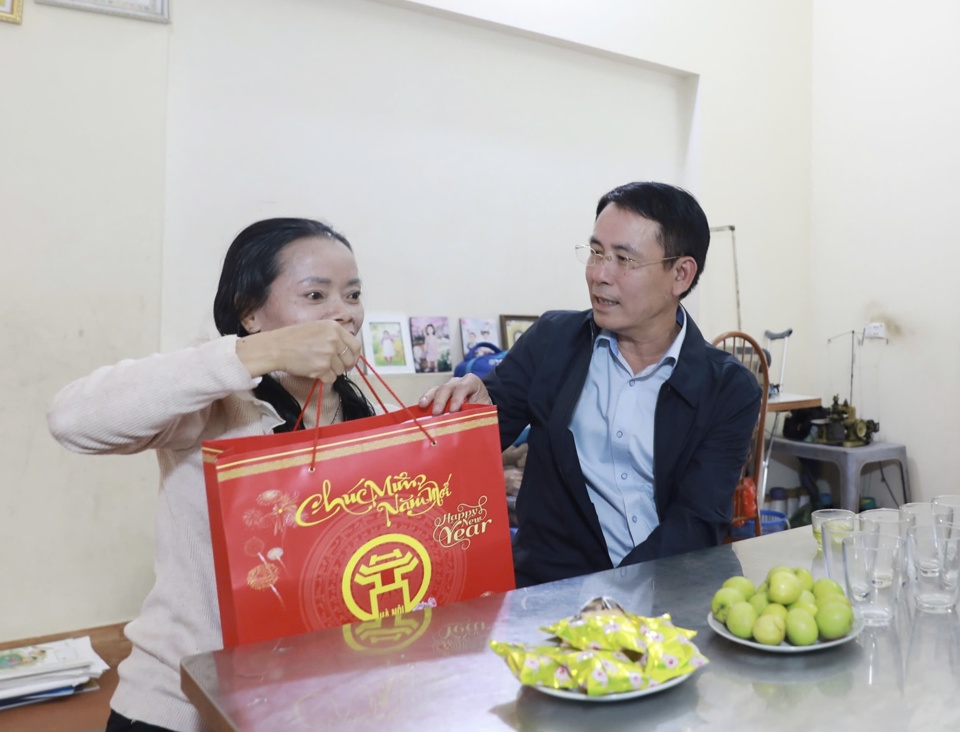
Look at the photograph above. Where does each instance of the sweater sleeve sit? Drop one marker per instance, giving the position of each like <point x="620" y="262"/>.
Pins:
<point x="160" y="401"/>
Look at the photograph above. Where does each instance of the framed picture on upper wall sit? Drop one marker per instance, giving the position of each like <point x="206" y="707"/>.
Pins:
<point x="430" y="337"/>
<point x="11" y="11"/>
<point x="513" y="326"/>
<point x="386" y="343"/>
<point x="477" y="330"/>
<point x="157" y="11"/>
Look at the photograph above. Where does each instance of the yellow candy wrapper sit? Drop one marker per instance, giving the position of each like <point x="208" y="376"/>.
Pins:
<point x="562" y="667"/>
<point x="610" y="630"/>
<point x="605" y="650"/>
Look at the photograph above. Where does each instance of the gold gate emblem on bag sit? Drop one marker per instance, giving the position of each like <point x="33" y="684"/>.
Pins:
<point x="387" y="579"/>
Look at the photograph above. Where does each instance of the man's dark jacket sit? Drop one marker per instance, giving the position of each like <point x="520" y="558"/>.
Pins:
<point x="705" y="415"/>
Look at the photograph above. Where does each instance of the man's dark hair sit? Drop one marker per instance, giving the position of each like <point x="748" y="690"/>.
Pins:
<point x="683" y="232"/>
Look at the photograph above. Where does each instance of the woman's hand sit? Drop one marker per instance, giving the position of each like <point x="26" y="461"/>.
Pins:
<point x="455" y="393"/>
<point x="320" y="349"/>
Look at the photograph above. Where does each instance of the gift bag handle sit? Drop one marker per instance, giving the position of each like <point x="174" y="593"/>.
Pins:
<point x="318" y="388"/>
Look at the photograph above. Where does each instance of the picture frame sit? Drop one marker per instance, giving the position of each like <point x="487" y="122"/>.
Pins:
<point x="11" y="11"/>
<point x="386" y="343"/>
<point x="157" y="11"/>
<point x="477" y="330"/>
<point x="514" y="326"/>
<point x="430" y="340"/>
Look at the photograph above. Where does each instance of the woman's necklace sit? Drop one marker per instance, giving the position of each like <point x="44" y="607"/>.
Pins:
<point x="337" y="413"/>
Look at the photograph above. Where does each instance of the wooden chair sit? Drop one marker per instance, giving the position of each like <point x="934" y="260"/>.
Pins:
<point x="751" y="355"/>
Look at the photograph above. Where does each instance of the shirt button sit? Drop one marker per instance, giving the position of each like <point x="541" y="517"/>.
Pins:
<point x="619" y="433"/>
<point x="634" y="519"/>
<point x="632" y="382"/>
<point x="623" y="476"/>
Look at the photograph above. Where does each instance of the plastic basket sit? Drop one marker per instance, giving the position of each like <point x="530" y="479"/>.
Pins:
<point x="770" y="523"/>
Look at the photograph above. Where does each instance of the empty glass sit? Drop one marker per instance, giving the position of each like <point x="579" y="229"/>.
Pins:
<point x="933" y="564"/>
<point x="888" y="520"/>
<point x="925" y="513"/>
<point x="871" y="569"/>
<point x="950" y="501"/>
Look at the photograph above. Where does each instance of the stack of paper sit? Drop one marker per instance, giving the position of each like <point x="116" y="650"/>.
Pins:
<point x="48" y="670"/>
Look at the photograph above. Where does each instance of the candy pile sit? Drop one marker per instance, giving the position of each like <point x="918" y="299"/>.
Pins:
<point x="605" y="651"/>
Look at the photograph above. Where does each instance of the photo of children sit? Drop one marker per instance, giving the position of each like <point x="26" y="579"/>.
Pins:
<point x="386" y="343"/>
<point x="431" y="344"/>
<point x="478" y="330"/>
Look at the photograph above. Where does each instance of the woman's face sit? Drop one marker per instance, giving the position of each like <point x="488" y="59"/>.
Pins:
<point x="318" y="280"/>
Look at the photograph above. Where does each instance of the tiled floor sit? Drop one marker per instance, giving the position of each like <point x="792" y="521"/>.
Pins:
<point x="84" y="712"/>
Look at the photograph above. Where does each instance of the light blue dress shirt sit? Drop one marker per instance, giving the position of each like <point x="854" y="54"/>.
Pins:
<point x="613" y="429"/>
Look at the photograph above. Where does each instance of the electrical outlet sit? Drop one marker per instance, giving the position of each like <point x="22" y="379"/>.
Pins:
<point x="875" y="330"/>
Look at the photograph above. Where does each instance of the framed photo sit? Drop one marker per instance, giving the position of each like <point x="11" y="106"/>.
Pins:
<point x="513" y="326"/>
<point x="11" y="11"/>
<point x="478" y="330"/>
<point x="156" y="10"/>
<point x="386" y="343"/>
<point x="430" y="339"/>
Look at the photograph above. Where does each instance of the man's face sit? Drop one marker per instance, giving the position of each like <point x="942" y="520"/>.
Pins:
<point x="630" y="302"/>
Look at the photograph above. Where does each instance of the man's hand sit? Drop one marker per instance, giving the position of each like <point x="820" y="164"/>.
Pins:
<point x="455" y="393"/>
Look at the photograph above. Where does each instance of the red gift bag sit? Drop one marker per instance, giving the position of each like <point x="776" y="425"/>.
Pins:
<point x="356" y="521"/>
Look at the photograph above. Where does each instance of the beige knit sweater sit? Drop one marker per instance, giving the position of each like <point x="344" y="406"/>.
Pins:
<point x="170" y="403"/>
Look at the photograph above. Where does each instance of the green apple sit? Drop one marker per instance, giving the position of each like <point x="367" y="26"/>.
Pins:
<point x="775" y="608"/>
<point x="740" y="619"/>
<point x="722" y="600"/>
<point x="763" y="586"/>
<point x="759" y="600"/>
<point x="806" y="579"/>
<point x="810" y="607"/>
<point x="785" y="587"/>
<point x="825" y="586"/>
<point x="834" y="620"/>
<point x="774" y="570"/>
<point x="834" y="597"/>
<point x="743" y="584"/>
<point x="807" y="596"/>
<point x="802" y="629"/>
<point x="770" y="630"/>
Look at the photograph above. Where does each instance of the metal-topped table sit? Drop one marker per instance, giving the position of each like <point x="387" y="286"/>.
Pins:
<point x="434" y="670"/>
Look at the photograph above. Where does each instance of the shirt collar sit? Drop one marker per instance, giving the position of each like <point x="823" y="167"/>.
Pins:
<point x="609" y="338"/>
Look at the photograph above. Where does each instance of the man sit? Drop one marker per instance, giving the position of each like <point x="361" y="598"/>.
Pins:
<point x="638" y="427"/>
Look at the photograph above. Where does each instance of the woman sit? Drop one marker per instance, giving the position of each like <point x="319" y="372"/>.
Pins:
<point x="288" y="309"/>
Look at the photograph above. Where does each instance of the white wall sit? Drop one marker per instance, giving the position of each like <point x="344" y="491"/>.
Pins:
<point x="458" y="160"/>
<point x="128" y="196"/>
<point x="82" y="136"/>
<point x="886" y="181"/>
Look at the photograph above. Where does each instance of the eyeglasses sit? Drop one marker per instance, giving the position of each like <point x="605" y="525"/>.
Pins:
<point x="592" y="258"/>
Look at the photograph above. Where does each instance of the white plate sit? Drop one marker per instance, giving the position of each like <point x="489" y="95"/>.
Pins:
<point x="785" y="647"/>
<point x="620" y="696"/>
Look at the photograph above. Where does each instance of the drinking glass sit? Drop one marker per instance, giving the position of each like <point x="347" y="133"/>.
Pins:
<point x="825" y="514"/>
<point x="888" y="520"/>
<point x="871" y="570"/>
<point x="891" y="522"/>
<point x="950" y="501"/>
<point x="933" y="564"/>
<point x="925" y="512"/>
<point x="832" y="533"/>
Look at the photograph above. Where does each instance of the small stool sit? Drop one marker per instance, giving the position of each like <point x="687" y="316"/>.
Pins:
<point x="850" y="461"/>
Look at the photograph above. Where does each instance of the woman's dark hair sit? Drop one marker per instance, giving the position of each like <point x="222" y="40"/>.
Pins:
<point x="251" y="265"/>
